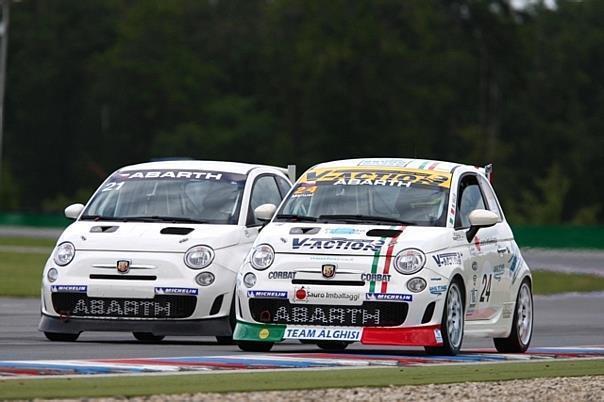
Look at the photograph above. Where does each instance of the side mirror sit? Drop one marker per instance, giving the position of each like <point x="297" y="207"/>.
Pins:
<point x="480" y="218"/>
<point x="265" y="212"/>
<point x="73" y="211"/>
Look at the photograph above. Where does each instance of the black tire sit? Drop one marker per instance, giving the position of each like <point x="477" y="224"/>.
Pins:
<point x="452" y="323"/>
<point x="148" y="337"/>
<point x="61" y="337"/>
<point x="252" y="346"/>
<point x="519" y="339"/>
<point x="225" y="340"/>
<point x="228" y="340"/>
<point x="334" y="346"/>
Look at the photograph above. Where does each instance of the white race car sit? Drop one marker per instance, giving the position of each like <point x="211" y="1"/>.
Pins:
<point x="387" y="252"/>
<point x="156" y="250"/>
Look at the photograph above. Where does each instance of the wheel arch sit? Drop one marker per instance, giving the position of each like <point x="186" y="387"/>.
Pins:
<point x="457" y="277"/>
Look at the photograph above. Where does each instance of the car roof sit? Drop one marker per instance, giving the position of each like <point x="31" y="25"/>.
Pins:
<point x="410" y="163"/>
<point x="231" y="167"/>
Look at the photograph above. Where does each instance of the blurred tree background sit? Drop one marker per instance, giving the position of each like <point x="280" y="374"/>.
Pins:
<point x="94" y="85"/>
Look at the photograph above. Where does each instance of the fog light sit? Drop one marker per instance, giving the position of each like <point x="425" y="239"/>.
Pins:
<point x="52" y="274"/>
<point x="416" y="285"/>
<point x="249" y="279"/>
<point x="205" y="278"/>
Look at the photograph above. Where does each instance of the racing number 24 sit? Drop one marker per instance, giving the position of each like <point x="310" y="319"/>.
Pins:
<point x="486" y="288"/>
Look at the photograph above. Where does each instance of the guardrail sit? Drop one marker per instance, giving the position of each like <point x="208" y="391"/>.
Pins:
<point x="34" y="220"/>
<point x="560" y="236"/>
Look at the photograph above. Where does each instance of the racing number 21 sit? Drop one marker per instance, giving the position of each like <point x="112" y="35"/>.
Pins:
<point x="486" y="288"/>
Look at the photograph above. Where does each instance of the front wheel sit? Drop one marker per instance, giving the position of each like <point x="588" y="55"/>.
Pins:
<point x="252" y="346"/>
<point x="452" y="323"/>
<point x="522" y="324"/>
<point x="61" y="337"/>
<point x="147" y="337"/>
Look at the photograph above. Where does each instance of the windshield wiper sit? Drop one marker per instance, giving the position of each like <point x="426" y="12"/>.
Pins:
<point x="157" y="218"/>
<point x="364" y="218"/>
<point x="300" y="218"/>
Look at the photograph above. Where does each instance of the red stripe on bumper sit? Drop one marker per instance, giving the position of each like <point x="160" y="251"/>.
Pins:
<point x="410" y="336"/>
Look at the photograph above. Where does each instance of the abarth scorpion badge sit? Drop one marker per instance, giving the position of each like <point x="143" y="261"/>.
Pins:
<point x="328" y="270"/>
<point x="123" y="266"/>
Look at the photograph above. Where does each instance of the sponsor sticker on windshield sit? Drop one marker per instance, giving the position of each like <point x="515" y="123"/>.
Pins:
<point x="175" y="174"/>
<point x="376" y="176"/>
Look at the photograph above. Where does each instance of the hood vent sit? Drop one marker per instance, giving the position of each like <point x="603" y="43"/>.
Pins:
<point x="103" y="229"/>
<point x="176" y="231"/>
<point x="303" y="230"/>
<point x="384" y="233"/>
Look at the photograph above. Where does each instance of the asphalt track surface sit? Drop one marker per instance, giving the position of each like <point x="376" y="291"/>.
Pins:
<point x="563" y="320"/>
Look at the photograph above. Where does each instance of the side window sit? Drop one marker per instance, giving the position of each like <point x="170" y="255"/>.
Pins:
<point x="284" y="185"/>
<point x="490" y="197"/>
<point x="470" y="198"/>
<point x="265" y="191"/>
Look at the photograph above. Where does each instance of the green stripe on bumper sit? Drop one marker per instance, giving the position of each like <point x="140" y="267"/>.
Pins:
<point x="245" y="331"/>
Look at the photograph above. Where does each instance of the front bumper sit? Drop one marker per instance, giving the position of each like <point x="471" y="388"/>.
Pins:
<point x="206" y="327"/>
<point x="428" y="335"/>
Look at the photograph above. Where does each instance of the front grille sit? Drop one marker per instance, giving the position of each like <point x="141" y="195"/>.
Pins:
<point x="161" y="306"/>
<point x="277" y="311"/>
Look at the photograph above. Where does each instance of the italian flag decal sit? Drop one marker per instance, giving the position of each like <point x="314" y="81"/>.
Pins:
<point x="387" y="262"/>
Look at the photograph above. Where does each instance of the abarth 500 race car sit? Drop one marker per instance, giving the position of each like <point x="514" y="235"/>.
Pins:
<point x="156" y="250"/>
<point x="386" y="252"/>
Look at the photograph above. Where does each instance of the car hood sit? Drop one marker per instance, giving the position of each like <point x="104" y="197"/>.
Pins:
<point x="145" y="236"/>
<point x="352" y="239"/>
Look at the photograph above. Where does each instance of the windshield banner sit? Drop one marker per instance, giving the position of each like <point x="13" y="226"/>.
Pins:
<point x="377" y="177"/>
<point x="175" y="174"/>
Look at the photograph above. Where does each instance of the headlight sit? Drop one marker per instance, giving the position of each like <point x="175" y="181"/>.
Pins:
<point x="205" y="278"/>
<point x="409" y="261"/>
<point x="249" y="279"/>
<point x="199" y="257"/>
<point x="416" y="285"/>
<point x="64" y="253"/>
<point x="52" y="274"/>
<point x="262" y="257"/>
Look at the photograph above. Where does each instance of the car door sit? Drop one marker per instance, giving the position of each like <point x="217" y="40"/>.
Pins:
<point x="482" y="271"/>
<point x="266" y="189"/>
<point x="504" y="264"/>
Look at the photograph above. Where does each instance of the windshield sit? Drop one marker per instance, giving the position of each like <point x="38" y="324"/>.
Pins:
<point x="412" y="197"/>
<point x="170" y="196"/>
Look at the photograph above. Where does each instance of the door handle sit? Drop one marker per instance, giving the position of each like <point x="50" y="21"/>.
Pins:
<point x="502" y="250"/>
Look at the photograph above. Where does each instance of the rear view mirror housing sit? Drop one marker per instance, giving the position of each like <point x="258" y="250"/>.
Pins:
<point x="73" y="211"/>
<point x="265" y="212"/>
<point x="480" y="218"/>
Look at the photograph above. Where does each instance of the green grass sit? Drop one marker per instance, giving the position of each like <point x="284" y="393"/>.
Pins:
<point x="285" y="380"/>
<point x="546" y="283"/>
<point x="21" y="274"/>
<point x="27" y="242"/>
